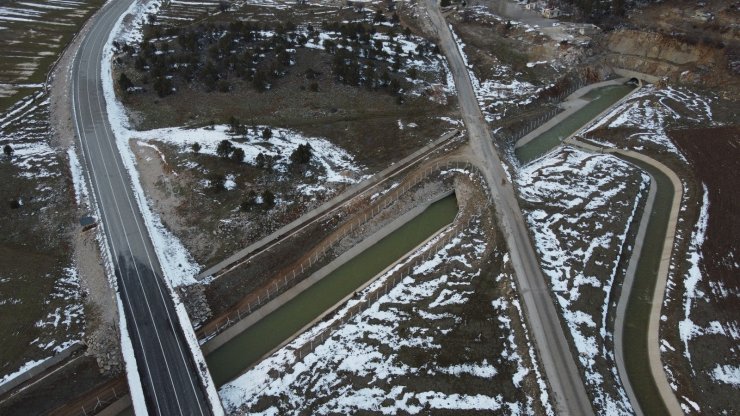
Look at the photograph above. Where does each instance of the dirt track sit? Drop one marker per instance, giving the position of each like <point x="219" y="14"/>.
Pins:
<point x="559" y="363"/>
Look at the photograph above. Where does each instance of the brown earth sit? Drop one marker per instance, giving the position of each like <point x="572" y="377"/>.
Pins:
<point x="713" y="153"/>
<point x="680" y="40"/>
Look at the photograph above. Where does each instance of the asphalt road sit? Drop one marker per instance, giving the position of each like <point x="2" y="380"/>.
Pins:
<point x="542" y="317"/>
<point x="167" y="370"/>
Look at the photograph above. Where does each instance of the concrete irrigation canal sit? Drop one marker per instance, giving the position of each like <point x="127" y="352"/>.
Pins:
<point x="636" y="328"/>
<point x="246" y="349"/>
<point x="599" y="100"/>
<point x="636" y="331"/>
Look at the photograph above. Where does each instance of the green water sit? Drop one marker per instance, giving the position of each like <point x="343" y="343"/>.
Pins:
<point x="600" y="99"/>
<point x="637" y="316"/>
<point x="230" y="360"/>
<point x="247" y="348"/>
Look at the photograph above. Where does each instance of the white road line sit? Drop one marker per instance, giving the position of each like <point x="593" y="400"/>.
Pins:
<point x="120" y="218"/>
<point x="92" y="176"/>
<point x="146" y="247"/>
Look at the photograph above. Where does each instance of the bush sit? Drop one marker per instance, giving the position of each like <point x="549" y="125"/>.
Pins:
<point x="124" y="82"/>
<point x="217" y="182"/>
<point x="267" y="133"/>
<point x="163" y="86"/>
<point x="224" y="149"/>
<point x="302" y="154"/>
<point x="238" y="155"/>
<point x="249" y="201"/>
<point x="268" y="199"/>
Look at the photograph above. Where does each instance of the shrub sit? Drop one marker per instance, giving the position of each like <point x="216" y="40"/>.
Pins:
<point x="268" y="199"/>
<point x="224" y="149"/>
<point x="302" y="154"/>
<point x="238" y="155"/>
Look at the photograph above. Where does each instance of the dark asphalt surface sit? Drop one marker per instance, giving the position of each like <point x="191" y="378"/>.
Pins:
<point x="167" y="369"/>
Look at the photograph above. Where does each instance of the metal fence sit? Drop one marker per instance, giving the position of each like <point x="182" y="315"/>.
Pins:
<point x="101" y="401"/>
<point x="290" y="277"/>
<point x="543" y="118"/>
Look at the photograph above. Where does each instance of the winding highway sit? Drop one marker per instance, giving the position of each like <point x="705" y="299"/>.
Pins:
<point x="167" y="370"/>
<point x="558" y="361"/>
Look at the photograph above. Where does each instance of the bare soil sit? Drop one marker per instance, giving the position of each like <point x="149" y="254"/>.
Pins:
<point x="255" y="278"/>
<point x="712" y="153"/>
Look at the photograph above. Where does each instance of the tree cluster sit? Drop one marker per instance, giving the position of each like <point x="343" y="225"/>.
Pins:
<point x="210" y="55"/>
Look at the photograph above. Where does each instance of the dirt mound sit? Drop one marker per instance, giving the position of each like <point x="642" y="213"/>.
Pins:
<point x="679" y="59"/>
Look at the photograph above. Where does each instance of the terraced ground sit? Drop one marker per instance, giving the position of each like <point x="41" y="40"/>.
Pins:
<point x="32" y="34"/>
<point x="41" y="299"/>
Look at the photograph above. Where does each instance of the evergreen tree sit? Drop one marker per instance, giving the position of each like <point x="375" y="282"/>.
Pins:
<point x="124" y="82"/>
<point x="268" y="199"/>
<point x="224" y="149"/>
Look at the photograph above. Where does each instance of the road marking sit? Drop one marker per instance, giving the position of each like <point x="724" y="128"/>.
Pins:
<point x="79" y="122"/>
<point x="92" y="176"/>
<point x="158" y="279"/>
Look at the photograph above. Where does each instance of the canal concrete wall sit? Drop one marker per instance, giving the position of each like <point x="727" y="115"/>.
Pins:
<point x="293" y="274"/>
<point x="653" y="336"/>
<point x="353" y="191"/>
<point x="274" y="304"/>
<point x="571" y="105"/>
<point x="40" y="368"/>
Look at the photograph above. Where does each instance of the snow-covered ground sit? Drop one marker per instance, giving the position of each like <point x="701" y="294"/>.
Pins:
<point x="650" y="111"/>
<point x="579" y="207"/>
<point x="695" y="332"/>
<point x="505" y="89"/>
<point x="336" y="163"/>
<point x="38" y="182"/>
<point x="395" y="356"/>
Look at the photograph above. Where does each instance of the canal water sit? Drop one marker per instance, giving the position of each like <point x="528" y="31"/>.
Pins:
<point x="230" y="360"/>
<point x="599" y="100"/>
<point x="245" y="350"/>
<point x="637" y="315"/>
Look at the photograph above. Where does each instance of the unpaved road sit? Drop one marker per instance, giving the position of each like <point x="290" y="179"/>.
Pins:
<point x="558" y="361"/>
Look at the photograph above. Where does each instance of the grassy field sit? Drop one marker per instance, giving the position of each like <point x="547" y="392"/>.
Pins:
<point x="41" y="299"/>
<point x="40" y="295"/>
<point x="32" y="35"/>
